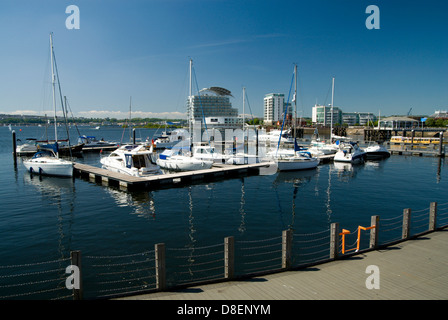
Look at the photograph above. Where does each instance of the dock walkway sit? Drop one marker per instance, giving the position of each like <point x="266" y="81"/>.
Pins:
<point x="107" y="177"/>
<point x="410" y="270"/>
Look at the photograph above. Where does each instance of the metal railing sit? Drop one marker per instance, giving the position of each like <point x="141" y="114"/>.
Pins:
<point x="165" y="268"/>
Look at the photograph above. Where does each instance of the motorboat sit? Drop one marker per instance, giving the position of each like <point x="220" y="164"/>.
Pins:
<point x="47" y="162"/>
<point x="169" y="139"/>
<point x="321" y="148"/>
<point x="350" y="152"/>
<point x="274" y="136"/>
<point x="27" y="148"/>
<point x="132" y="159"/>
<point x="91" y="143"/>
<point x="376" y="152"/>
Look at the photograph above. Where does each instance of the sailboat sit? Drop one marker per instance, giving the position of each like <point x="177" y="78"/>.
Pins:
<point x="47" y="162"/>
<point x="175" y="158"/>
<point x="300" y="159"/>
<point x="243" y="156"/>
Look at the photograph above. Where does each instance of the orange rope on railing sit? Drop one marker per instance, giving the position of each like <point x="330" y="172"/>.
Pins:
<point x="345" y="231"/>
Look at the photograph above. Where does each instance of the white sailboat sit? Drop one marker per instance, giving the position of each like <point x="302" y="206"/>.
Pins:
<point x="300" y="159"/>
<point x="243" y="156"/>
<point x="47" y="162"/>
<point x="175" y="158"/>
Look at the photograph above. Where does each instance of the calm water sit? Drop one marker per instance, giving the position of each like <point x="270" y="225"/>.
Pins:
<point x="43" y="219"/>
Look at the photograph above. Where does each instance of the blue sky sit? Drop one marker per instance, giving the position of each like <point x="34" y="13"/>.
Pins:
<point x="141" y="49"/>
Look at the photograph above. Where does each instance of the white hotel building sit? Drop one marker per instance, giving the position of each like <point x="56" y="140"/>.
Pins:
<point x="274" y="108"/>
<point x="213" y="106"/>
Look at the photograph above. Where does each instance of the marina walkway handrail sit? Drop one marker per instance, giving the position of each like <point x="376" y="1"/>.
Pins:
<point x="167" y="268"/>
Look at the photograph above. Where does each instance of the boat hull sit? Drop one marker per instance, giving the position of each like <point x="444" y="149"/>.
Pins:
<point x="296" y="164"/>
<point x="350" y="158"/>
<point x="50" y="167"/>
<point x="184" y="163"/>
<point x="377" y="155"/>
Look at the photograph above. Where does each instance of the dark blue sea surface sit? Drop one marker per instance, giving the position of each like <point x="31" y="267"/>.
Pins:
<point x="43" y="219"/>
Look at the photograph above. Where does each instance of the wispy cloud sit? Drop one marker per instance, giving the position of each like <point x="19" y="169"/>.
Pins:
<point x="219" y="43"/>
<point x="229" y="42"/>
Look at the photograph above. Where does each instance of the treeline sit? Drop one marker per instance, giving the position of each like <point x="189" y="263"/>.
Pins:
<point x="30" y="120"/>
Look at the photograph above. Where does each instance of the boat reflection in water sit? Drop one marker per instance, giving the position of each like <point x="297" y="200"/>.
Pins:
<point x="142" y="203"/>
<point x="297" y="179"/>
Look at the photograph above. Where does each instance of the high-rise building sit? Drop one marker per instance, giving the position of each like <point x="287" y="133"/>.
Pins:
<point x="274" y="108"/>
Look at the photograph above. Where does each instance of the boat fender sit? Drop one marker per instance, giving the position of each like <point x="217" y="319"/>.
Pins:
<point x="40" y="170"/>
<point x="31" y="170"/>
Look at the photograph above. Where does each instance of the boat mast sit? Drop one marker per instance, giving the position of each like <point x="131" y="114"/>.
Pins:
<point x="295" y="100"/>
<point x="53" y="85"/>
<point x="190" y="108"/>
<point x="332" y="96"/>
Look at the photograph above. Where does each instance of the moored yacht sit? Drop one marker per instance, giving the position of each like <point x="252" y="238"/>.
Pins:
<point x="350" y="152"/>
<point x="377" y="152"/>
<point x="47" y="162"/>
<point x="134" y="160"/>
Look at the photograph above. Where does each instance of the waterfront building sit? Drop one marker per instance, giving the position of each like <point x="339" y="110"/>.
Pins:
<point x="322" y="115"/>
<point x="398" y="123"/>
<point x="212" y="106"/>
<point x="438" y="114"/>
<point x="274" y="108"/>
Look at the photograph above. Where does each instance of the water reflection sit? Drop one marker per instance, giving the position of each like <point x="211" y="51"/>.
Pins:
<point x="60" y="193"/>
<point x="346" y="171"/>
<point x="242" y="226"/>
<point x="297" y="179"/>
<point x="142" y="203"/>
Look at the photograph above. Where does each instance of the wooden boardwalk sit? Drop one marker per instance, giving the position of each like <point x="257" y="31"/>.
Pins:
<point x="218" y="171"/>
<point x="410" y="270"/>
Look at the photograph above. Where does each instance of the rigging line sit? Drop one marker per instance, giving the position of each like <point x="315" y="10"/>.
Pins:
<point x="250" y="110"/>
<point x="62" y="103"/>
<point x="284" y="116"/>
<point x="200" y="102"/>
<point x="71" y="112"/>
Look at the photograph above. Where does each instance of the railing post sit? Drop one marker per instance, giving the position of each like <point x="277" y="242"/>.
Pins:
<point x="334" y="240"/>
<point x="375" y="221"/>
<point x="286" y="248"/>
<point x="160" y="266"/>
<point x="432" y="216"/>
<point x="406" y="223"/>
<point x="75" y="258"/>
<point x="229" y="257"/>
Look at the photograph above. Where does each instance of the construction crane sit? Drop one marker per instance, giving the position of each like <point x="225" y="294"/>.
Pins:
<point x="409" y="112"/>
